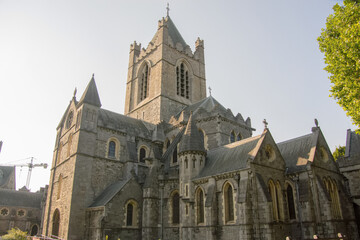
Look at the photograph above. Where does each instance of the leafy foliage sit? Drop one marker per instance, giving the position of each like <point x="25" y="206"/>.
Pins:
<point x="15" y="234"/>
<point x="339" y="152"/>
<point x="340" y="42"/>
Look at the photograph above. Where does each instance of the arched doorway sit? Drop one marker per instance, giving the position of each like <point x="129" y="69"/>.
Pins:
<point x="56" y="223"/>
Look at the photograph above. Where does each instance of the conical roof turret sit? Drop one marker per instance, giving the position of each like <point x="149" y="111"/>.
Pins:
<point x="192" y="139"/>
<point x="91" y="95"/>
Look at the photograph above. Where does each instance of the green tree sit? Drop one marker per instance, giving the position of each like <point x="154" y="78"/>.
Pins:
<point x="15" y="234"/>
<point x="339" y="152"/>
<point x="340" y="41"/>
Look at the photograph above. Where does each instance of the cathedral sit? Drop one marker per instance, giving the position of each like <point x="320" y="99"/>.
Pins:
<point x="179" y="165"/>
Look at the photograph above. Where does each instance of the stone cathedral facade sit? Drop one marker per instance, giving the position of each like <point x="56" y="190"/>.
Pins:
<point x="179" y="165"/>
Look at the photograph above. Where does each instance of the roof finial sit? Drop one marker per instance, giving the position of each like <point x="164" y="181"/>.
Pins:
<point x="265" y="123"/>
<point x="75" y="91"/>
<point x="167" y="10"/>
<point x="316" y="122"/>
<point x="210" y="90"/>
<point x="93" y="75"/>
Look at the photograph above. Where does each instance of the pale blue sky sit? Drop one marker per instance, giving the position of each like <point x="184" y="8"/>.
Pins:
<point x="262" y="60"/>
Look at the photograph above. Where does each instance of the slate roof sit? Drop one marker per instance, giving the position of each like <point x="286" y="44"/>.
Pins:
<point x="230" y="157"/>
<point x="191" y="140"/>
<point x="174" y="33"/>
<point x="91" y="95"/>
<point x="296" y="152"/>
<point x="119" y="122"/>
<point x="208" y="104"/>
<point x="5" y="173"/>
<point x="109" y="193"/>
<point x="20" y="198"/>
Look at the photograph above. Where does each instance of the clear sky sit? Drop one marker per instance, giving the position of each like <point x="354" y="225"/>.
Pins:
<point x="262" y="60"/>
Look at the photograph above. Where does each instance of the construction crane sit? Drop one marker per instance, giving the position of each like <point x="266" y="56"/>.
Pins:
<point x="30" y="166"/>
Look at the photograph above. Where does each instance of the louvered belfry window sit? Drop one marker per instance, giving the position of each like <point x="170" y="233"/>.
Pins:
<point x="144" y="83"/>
<point x="182" y="81"/>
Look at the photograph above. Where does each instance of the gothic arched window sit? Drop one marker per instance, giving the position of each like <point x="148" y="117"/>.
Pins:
<point x="175" y="208"/>
<point x="232" y="137"/>
<point x="229" y="203"/>
<point x="142" y="155"/>
<point x="111" y="150"/>
<point x="200" y="208"/>
<point x="239" y="137"/>
<point x="334" y="198"/>
<point x="144" y="81"/>
<point x="275" y="201"/>
<point x="182" y="81"/>
<point x="175" y="155"/>
<point x="131" y="213"/>
<point x="290" y="202"/>
<point x="56" y="223"/>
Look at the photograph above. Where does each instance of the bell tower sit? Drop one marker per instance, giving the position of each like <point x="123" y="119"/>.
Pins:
<point x="165" y="77"/>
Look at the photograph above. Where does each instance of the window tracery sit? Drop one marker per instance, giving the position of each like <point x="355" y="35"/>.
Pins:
<point x="182" y="81"/>
<point x="145" y="73"/>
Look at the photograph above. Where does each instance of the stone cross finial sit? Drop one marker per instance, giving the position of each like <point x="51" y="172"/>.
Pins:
<point x="167" y="10"/>
<point x="265" y="123"/>
<point x="210" y="90"/>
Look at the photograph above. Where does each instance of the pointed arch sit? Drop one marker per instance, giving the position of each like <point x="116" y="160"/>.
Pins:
<point x="131" y="213"/>
<point x="56" y="223"/>
<point x="232" y="137"/>
<point x="239" y="137"/>
<point x="273" y="194"/>
<point x="175" y="207"/>
<point x="290" y="201"/>
<point x="200" y="206"/>
<point x="143" y="78"/>
<point x="142" y="154"/>
<point x="229" y="203"/>
<point x="183" y="75"/>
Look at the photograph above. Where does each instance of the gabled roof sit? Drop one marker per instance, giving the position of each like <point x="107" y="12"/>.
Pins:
<point x="208" y="104"/>
<point x="174" y="33"/>
<point x="109" y="193"/>
<point x="119" y="122"/>
<point x="231" y="157"/>
<point x="91" y="95"/>
<point x="191" y="140"/>
<point x="297" y="152"/>
<point x="20" y="198"/>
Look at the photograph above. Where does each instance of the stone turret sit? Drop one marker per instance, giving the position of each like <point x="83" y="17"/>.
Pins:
<point x="192" y="160"/>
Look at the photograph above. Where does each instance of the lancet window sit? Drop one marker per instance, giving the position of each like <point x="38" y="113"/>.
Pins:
<point x="229" y="203"/>
<point x="144" y="81"/>
<point x="182" y="81"/>
<point x="200" y="208"/>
